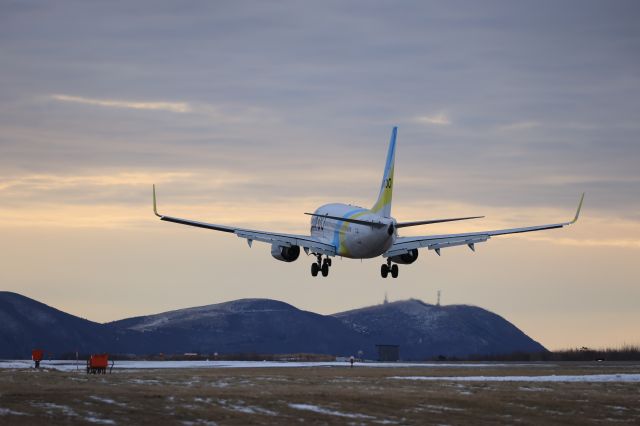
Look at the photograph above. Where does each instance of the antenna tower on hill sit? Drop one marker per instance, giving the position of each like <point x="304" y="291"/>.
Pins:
<point x="438" y="298"/>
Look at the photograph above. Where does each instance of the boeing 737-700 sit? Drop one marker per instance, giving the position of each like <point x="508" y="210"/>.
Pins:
<point x="359" y="233"/>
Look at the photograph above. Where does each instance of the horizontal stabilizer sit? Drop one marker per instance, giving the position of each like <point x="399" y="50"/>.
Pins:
<point x="428" y="222"/>
<point x="357" y="221"/>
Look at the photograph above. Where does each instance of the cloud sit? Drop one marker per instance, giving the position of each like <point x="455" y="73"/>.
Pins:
<point x="177" y="107"/>
<point x="440" y="119"/>
<point x="226" y="114"/>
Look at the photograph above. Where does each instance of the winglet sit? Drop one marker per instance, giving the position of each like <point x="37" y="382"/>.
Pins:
<point x="155" y="208"/>
<point x="575" y="219"/>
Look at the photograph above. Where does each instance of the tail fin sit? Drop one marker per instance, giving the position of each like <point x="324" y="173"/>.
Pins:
<point x="383" y="205"/>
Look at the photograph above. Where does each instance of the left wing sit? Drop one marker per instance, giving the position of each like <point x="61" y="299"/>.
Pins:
<point x="305" y="241"/>
<point x="436" y="242"/>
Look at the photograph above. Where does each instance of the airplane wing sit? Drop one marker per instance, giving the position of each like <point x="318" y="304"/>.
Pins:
<point x="305" y="241"/>
<point x="437" y="242"/>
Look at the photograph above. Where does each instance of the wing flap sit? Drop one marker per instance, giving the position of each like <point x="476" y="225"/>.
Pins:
<point x="251" y="235"/>
<point x="436" y="242"/>
<point x="288" y="240"/>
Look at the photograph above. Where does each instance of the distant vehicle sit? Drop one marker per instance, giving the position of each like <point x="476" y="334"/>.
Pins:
<point x="98" y="364"/>
<point x="359" y="233"/>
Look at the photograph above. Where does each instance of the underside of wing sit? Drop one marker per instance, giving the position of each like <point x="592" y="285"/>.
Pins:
<point x="404" y="245"/>
<point x="307" y="242"/>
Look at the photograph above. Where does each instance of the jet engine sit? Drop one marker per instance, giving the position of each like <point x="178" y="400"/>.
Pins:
<point x="284" y="253"/>
<point x="407" y="258"/>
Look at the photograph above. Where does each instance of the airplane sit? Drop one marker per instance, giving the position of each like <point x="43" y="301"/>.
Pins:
<point x="359" y="233"/>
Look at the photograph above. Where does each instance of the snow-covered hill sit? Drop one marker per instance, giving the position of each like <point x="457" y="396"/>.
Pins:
<point x="424" y="330"/>
<point x="247" y="325"/>
<point x="263" y="326"/>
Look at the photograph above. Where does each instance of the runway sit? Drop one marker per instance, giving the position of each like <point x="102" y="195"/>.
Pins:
<point x="207" y="392"/>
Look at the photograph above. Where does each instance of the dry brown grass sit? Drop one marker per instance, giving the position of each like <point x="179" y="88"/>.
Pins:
<point x="348" y="396"/>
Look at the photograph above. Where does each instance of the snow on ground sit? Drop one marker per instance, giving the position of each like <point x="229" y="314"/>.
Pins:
<point x="591" y="378"/>
<point x="140" y="365"/>
<point x="50" y="407"/>
<point x="93" y="418"/>
<point x="8" y="412"/>
<point x="108" y="401"/>
<point x="240" y="407"/>
<point x="320" y="410"/>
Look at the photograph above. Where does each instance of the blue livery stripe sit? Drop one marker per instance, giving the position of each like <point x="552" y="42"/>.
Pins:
<point x="336" y="233"/>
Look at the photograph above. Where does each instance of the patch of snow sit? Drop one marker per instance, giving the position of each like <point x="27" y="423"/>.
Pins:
<point x="49" y="406"/>
<point x="320" y="410"/>
<point x="92" y="418"/>
<point x="441" y="408"/>
<point x="240" y="407"/>
<point x="590" y="378"/>
<point x="199" y="422"/>
<point x="145" y="381"/>
<point x="617" y="407"/>
<point x="9" y="412"/>
<point x="108" y="401"/>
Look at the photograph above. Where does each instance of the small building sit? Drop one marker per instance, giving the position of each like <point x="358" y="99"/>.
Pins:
<point x="388" y="353"/>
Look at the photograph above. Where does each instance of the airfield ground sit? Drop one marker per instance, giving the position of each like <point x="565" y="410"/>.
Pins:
<point x="325" y="395"/>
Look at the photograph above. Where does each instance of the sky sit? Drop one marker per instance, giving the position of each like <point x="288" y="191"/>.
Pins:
<point x="252" y="113"/>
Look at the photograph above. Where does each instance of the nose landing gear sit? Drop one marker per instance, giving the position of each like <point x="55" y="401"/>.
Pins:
<point x="321" y="266"/>
<point x="387" y="268"/>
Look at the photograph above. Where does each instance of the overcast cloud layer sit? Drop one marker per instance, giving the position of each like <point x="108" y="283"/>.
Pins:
<point x="252" y="113"/>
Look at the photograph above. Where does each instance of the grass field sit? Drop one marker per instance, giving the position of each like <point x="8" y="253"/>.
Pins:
<point x="321" y="395"/>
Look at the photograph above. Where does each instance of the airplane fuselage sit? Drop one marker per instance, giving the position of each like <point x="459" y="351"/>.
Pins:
<point x="353" y="240"/>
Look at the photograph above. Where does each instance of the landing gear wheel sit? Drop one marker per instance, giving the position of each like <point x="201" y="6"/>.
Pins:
<point x="314" y="269"/>
<point x="384" y="270"/>
<point x="325" y="269"/>
<point x="394" y="271"/>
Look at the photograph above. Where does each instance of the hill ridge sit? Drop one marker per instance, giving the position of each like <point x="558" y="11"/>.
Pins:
<point x="263" y="325"/>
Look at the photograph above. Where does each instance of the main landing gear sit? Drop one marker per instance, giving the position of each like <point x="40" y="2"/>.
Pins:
<point x="321" y="266"/>
<point x="388" y="267"/>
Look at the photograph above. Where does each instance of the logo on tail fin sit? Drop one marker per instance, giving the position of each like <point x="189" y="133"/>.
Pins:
<point x="383" y="204"/>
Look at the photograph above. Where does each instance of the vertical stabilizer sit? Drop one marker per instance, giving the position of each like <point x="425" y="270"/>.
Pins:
<point x="383" y="205"/>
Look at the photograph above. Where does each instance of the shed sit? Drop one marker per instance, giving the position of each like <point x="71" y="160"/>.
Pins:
<point x="388" y="353"/>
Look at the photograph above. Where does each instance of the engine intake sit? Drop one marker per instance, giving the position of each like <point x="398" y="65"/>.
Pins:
<point x="407" y="258"/>
<point x="284" y="253"/>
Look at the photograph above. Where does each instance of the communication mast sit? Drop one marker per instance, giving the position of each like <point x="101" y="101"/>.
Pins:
<point x="438" y="304"/>
<point x="386" y="300"/>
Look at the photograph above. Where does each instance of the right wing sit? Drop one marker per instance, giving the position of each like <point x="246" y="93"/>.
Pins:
<point x="306" y="242"/>
<point x="404" y="245"/>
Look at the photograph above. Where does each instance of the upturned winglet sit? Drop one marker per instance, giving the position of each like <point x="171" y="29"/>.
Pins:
<point x="575" y="219"/>
<point x="155" y="207"/>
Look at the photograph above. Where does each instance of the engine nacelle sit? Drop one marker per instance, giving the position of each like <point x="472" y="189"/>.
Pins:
<point x="284" y="253"/>
<point x="407" y="258"/>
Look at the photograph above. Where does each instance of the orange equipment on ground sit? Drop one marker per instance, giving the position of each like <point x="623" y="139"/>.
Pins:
<point x="98" y="363"/>
<point x="36" y="356"/>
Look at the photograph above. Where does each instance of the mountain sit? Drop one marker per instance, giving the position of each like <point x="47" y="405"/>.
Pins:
<point x="247" y="325"/>
<point x="26" y="324"/>
<point x="263" y="326"/>
<point x="426" y="331"/>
